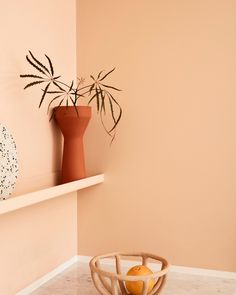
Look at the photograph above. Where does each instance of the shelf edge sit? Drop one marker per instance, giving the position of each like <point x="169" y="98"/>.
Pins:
<point x="29" y="199"/>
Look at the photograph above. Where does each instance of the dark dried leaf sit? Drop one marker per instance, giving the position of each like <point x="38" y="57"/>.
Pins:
<point x="50" y="63"/>
<point x="52" y="102"/>
<point x="33" y="83"/>
<point x="88" y="86"/>
<point x="35" y="66"/>
<point x="91" y="89"/>
<point x="31" y="76"/>
<point x="55" y="83"/>
<point x="44" y="93"/>
<point x="57" y="77"/>
<point x="55" y="109"/>
<point x="104" y="126"/>
<point x="99" y="75"/>
<point x="71" y="86"/>
<point x="102" y="96"/>
<point x="38" y="62"/>
<point x="98" y="99"/>
<point x="107" y="86"/>
<point x="107" y="74"/>
<point x="55" y="92"/>
<point x="91" y="99"/>
<point x="74" y="104"/>
<point x="112" y="109"/>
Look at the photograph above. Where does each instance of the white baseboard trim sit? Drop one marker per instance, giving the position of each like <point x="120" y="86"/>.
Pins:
<point x="85" y="259"/>
<point x="204" y="272"/>
<point x="35" y="285"/>
<point x="174" y="269"/>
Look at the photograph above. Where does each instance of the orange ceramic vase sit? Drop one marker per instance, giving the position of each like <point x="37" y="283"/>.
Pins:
<point x="72" y="126"/>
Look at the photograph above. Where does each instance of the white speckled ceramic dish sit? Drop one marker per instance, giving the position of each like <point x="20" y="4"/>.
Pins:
<point x="8" y="163"/>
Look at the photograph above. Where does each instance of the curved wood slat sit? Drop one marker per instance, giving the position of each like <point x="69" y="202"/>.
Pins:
<point x="118" y="279"/>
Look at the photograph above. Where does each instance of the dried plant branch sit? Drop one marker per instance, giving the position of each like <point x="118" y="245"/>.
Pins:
<point x="95" y="91"/>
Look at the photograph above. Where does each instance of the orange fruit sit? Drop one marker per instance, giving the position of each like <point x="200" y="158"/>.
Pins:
<point x="136" y="288"/>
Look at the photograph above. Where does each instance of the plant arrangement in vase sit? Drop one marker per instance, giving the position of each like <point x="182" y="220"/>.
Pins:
<point x="70" y="116"/>
<point x="96" y="91"/>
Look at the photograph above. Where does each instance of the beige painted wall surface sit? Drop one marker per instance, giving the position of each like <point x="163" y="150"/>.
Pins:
<point x="170" y="175"/>
<point x="35" y="240"/>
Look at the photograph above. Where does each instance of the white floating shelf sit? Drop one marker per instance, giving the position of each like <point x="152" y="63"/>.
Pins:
<point x="25" y="200"/>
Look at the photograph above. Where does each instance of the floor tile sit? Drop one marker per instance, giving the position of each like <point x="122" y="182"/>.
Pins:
<point x="77" y="281"/>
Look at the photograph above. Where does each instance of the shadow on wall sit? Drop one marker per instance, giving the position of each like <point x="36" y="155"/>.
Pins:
<point x="57" y="150"/>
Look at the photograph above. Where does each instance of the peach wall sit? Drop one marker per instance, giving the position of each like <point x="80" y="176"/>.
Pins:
<point x="35" y="240"/>
<point x="170" y="175"/>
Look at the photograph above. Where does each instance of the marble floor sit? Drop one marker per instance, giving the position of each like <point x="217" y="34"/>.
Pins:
<point x="76" y="280"/>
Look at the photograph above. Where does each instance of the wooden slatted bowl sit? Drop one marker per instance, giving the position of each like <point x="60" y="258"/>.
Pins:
<point x="114" y="282"/>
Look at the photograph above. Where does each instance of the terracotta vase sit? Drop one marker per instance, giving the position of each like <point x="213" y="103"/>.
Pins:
<point x="72" y="126"/>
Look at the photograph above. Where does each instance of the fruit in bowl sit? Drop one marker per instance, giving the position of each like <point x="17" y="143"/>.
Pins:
<point x="136" y="287"/>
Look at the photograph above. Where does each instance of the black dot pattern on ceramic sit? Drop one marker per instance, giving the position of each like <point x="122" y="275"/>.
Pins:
<point x="8" y="163"/>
